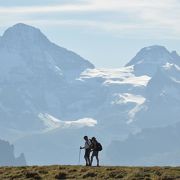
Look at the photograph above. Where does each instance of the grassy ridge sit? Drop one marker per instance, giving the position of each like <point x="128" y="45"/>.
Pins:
<point x="81" y="172"/>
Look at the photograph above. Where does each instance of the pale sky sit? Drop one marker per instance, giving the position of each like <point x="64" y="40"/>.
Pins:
<point x="106" y="32"/>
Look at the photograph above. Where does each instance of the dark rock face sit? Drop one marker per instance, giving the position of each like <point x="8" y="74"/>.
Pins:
<point x="7" y="157"/>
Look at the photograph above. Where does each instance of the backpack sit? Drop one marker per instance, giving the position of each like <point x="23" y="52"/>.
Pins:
<point x="99" y="147"/>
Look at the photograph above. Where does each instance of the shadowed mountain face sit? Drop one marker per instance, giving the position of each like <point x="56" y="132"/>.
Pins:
<point x="7" y="157"/>
<point x="51" y="97"/>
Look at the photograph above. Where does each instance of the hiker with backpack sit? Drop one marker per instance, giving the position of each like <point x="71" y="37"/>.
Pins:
<point x="87" y="148"/>
<point x="96" y="147"/>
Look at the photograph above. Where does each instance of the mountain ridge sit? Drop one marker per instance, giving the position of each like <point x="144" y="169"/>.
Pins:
<point x="51" y="82"/>
<point x="149" y="59"/>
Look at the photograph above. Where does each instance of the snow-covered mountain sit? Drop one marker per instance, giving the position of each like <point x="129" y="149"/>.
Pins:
<point x="149" y="59"/>
<point x="30" y="48"/>
<point x="34" y="74"/>
<point x="158" y="119"/>
<point x="161" y="107"/>
<point x="51" y="97"/>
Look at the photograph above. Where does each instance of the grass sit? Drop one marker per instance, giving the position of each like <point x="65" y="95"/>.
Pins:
<point x="81" y="172"/>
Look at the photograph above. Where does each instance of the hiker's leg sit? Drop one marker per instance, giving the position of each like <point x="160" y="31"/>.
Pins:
<point x="92" y="159"/>
<point x="89" y="161"/>
<point x="85" y="157"/>
<point x="97" y="158"/>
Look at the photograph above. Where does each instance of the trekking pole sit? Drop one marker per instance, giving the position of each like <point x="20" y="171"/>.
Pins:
<point x="79" y="156"/>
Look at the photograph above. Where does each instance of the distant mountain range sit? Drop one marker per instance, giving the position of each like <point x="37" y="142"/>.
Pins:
<point x="51" y="97"/>
<point x="7" y="157"/>
<point x="152" y="146"/>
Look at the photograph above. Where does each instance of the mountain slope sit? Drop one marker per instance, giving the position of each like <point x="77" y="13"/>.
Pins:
<point x="161" y="107"/>
<point x="34" y="73"/>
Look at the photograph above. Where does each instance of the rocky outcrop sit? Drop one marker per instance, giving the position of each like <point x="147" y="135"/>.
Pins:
<point x="7" y="157"/>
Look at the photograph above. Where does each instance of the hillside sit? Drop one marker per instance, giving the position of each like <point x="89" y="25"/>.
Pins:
<point x="80" y="172"/>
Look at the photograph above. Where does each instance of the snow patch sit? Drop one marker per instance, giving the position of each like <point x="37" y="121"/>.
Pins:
<point x="148" y="48"/>
<point x="126" y="98"/>
<point x="58" y="70"/>
<point x="116" y="76"/>
<point x="108" y="73"/>
<point x="135" y="81"/>
<point x="134" y="111"/>
<point x="169" y="66"/>
<point x="140" y="62"/>
<point x="52" y="123"/>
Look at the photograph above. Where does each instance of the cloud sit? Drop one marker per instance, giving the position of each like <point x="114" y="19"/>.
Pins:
<point x="52" y="123"/>
<point x="93" y="5"/>
<point x="10" y="3"/>
<point x="108" y="26"/>
<point x="124" y="17"/>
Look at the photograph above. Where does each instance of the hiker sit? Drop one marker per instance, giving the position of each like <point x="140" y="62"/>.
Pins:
<point x="87" y="148"/>
<point x="96" y="147"/>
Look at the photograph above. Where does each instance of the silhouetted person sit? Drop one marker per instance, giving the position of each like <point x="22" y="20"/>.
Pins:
<point x="96" y="147"/>
<point x="87" y="148"/>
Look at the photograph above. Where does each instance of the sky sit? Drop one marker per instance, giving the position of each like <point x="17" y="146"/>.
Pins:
<point x="106" y="32"/>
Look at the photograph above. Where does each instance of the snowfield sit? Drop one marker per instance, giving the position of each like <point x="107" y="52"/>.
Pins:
<point x="52" y="123"/>
<point x="120" y="76"/>
<point x="127" y="98"/>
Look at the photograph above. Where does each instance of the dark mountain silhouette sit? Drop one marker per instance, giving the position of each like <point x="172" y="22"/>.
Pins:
<point x="7" y="157"/>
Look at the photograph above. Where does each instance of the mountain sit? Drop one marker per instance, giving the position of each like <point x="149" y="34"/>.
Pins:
<point x="51" y="97"/>
<point x="150" y="147"/>
<point x="33" y="73"/>
<point x="149" y="59"/>
<point x="30" y="45"/>
<point x="156" y="143"/>
<point x="161" y="107"/>
<point x="7" y="157"/>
